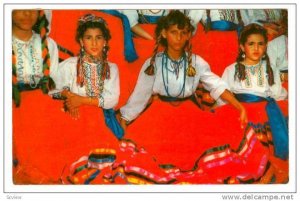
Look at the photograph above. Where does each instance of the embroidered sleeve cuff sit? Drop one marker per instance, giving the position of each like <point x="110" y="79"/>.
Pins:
<point x="126" y="120"/>
<point x="101" y="102"/>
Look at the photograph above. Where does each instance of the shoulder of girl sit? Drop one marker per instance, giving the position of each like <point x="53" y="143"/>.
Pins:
<point x="70" y="61"/>
<point x="113" y="65"/>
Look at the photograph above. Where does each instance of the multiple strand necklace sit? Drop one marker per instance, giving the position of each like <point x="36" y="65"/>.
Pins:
<point x="252" y="71"/>
<point x="92" y="70"/>
<point x="175" y="69"/>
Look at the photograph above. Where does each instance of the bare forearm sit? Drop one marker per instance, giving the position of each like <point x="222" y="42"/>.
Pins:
<point x="141" y="32"/>
<point x="229" y="97"/>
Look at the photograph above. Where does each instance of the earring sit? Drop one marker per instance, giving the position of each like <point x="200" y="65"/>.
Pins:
<point x="243" y="55"/>
<point x="105" y="48"/>
<point x="81" y="50"/>
<point x="264" y="56"/>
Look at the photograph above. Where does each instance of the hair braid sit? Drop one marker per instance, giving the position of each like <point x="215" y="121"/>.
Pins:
<point x="15" y="90"/>
<point x="191" y="71"/>
<point x="150" y="69"/>
<point x="79" y="68"/>
<point x="269" y="70"/>
<point x="14" y="68"/>
<point x="106" y="69"/>
<point x="240" y="72"/>
<point x="41" y="28"/>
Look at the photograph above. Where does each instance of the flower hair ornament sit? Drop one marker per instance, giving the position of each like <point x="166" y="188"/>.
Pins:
<point x="91" y="18"/>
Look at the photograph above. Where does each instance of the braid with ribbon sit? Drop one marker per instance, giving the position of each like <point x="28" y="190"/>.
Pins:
<point x="269" y="70"/>
<point x="41" y="28"/>
<point x="106" y="70"/>
<point x="190" y="71"/>
<point x="240" y="72"/>
<point x="15" y="91"/>
<point x="79" y="68"/>
<point x="150" y="69"/>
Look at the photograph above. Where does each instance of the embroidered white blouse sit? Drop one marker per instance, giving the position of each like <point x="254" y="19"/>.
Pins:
<point x="167" y="82"/>
<point x="29" y="62"/>
<point x="67" y="77"/>
<point x="256" y="82"/>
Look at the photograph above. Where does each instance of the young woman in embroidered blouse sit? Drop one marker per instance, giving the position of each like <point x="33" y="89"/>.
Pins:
<point x="253" y="73"/>
<point x="89" y="79"/>
<point x="174" y="73"/>
<point x="252" y="79"/>
<point x="35" y="56"/>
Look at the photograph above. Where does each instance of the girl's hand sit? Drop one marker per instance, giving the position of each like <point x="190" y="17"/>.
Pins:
<point x="74" y="113"/>
<point x="73" y="101"/>
<point x="243" y="117"/>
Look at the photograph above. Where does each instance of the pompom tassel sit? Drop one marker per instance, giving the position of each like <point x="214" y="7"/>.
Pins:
<point x="51" y="84"/>
<point x="150" y="70"/>
<point x="191" y="71"/>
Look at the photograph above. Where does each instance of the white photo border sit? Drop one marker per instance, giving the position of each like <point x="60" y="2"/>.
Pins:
<point x="9" y="187"/>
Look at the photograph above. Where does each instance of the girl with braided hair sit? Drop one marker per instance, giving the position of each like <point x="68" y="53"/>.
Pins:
<point x="252" y="79"/>
<point x="90" y="79"/>
<point x="34" y="62"/>
<point x="174" y="73"/>
<point x="35" y="56"/>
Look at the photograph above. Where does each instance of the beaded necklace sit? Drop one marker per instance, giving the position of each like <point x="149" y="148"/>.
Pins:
<point x="92" y="71"/>
<point x="176" y="66"/>
<point x="252" y="71"/>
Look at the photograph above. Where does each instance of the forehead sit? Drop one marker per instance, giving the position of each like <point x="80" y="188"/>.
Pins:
<point x="93" y="31"/>
<point x="176" y="28"/>
<point x="21" y="12"/>
<point x="255" y="37"/>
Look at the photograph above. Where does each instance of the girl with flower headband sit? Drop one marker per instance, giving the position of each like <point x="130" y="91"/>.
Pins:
<point x="174" y="74"/>
<point x="252" y="79"/>
<point x="90" y="79"/>
<point x="35" y="56"/>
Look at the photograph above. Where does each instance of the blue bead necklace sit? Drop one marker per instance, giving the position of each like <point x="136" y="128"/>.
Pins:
<point x="176" y="65"/>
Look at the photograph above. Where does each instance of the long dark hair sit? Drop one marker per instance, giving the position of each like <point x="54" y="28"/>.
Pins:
<point x="175" y="17"/>
<point x="248" y="30"/>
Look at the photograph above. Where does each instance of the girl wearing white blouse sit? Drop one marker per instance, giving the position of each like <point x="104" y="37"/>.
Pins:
<point x="174" y="74"/>
<point x="35" y="56"/>
<point x="253" y="79"/>
<point x="90" y="79"/>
